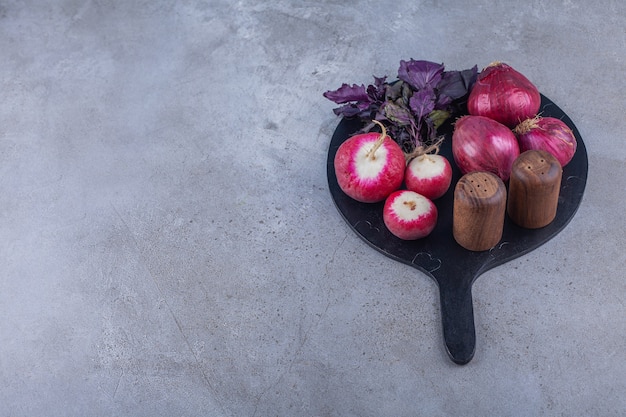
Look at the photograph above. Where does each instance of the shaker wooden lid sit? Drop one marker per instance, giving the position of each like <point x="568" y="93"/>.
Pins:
<point x="482" y="187"/>
<point x="535" y="167"/>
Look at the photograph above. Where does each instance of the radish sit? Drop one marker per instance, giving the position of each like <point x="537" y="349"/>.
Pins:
<point x="409" y="215"/>
<point x="370" y="166"/>
<point x="429" y="175"/>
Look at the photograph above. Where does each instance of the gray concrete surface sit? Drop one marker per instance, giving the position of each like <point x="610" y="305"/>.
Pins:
<point x="170" y="248"/>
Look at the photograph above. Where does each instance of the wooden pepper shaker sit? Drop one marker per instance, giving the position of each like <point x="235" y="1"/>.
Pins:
<point x="479" y="209"/>
<point x="534" y="189"/>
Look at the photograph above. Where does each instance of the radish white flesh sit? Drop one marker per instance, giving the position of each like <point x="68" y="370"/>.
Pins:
<point x="369" y="164"/>
<point x="409" y="215"/>
<point x="429" y="175"/>
<point x="369" y="167"/>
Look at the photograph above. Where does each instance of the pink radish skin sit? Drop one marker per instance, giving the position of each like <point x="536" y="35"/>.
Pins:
<point x="428" y="175"/>
<point x="409" y="215"/>
<point x="367" y="170"/>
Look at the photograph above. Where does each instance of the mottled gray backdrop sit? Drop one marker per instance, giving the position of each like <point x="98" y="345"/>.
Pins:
<point x="169" y="246"/>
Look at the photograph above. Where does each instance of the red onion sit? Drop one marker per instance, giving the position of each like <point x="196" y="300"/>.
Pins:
<point x="548" y="134"/>
<point x="482" y="144"/>
<point x="503" y="94"/>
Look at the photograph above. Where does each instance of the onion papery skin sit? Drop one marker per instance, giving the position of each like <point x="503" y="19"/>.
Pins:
<point x="547" y="134"/>
<point x="483" y="144"/>
<point x="503" y="94"/>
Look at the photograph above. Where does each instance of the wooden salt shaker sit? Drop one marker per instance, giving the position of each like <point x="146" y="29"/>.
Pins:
<point x="478" y="212"/>
<point x="534" y="189"/>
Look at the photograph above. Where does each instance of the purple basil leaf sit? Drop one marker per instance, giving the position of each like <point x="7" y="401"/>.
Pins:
<point x="347" y="93"/>
<point x="347" y="110"/>
<point x="407" y="92"/>
<point x="422" y="102"/>
<point x="394" y="91"/>
<point x="420" y="74"/>
<point x="432" y="131"/>
<point x="377" y="91"/>
<point x="442" y="102"/>
<point x="452" y="85"/>
<point x="360" y="109"/>
<point x="456" y="84"/>
<point x="469" y="77"/>
<point x="397" y="114"/>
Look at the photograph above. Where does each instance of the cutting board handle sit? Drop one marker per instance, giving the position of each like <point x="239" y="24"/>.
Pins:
<point x="457" y="314"/>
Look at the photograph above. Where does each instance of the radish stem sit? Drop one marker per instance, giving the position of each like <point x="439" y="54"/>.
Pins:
<point x="371" y="154"/>
<point x="425" y="150"/>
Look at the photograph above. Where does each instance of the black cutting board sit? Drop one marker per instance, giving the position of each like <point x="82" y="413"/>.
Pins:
<point x="454" y="268"/>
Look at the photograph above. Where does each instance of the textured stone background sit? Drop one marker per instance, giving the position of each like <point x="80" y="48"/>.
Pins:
<point x="170" y="248"/>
